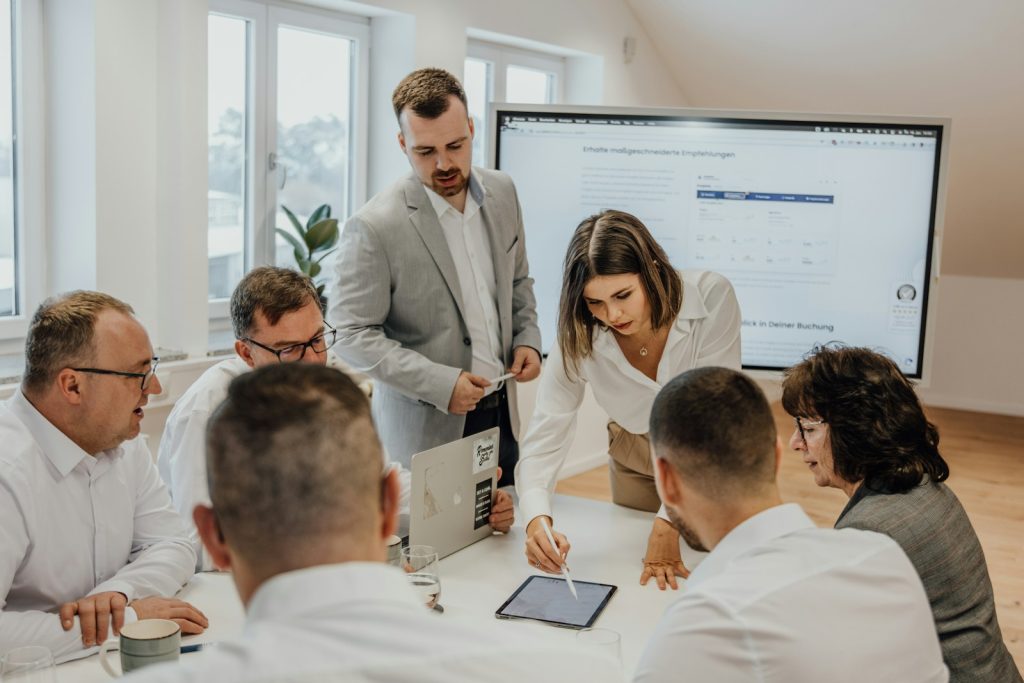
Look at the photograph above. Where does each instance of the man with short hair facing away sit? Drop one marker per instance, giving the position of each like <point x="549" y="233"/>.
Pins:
<point x="276" y="316"/>
<point x="432" y="290"/>
<point x="777" y="599"/>
<point x="307" y="553"/>
<point x="88" y="539"/>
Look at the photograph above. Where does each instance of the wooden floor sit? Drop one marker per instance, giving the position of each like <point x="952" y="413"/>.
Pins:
<point x="986" y="458"/>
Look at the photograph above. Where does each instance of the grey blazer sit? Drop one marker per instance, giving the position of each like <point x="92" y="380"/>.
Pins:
<point x="932" y="527"/>
<point x="398" y="306"/>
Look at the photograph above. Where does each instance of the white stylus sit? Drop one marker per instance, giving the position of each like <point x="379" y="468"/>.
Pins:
<point x="565" y="567"/>
<point x="507" y="375"/>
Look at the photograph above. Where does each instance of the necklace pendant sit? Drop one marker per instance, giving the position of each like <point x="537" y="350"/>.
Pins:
<point x="643" y="351"/>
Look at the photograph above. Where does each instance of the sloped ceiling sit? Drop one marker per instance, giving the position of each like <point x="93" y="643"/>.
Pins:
<point x="914" y="57"/>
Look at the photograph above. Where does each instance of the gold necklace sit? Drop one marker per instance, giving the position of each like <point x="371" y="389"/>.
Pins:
<point x="643" y="347"/>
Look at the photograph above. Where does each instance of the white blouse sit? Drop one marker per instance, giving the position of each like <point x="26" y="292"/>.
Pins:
<point x="706" y="333"/>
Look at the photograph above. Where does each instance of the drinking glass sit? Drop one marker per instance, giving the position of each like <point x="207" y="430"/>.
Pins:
<point x="420" y="562"/>
<point x="29" y="664"/>
<point x="603" y="640"/>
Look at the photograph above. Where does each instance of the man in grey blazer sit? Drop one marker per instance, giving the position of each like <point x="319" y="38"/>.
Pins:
<point x="432" y="294"/>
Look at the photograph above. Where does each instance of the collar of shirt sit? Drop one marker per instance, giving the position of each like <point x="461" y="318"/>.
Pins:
<point x="474" y="199"/>
<point x="304" y="590"/>
<point x="693" y="308"/>
<point x="63" y="453"/>
<point x="758" y="530"/>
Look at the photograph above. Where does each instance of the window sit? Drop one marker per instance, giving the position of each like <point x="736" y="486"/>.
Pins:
<point x="284" y="117"/>
<point x="21" y="164"/>
<point x="228" y="197"/>
<point x="8" y="175"/>
<point x="497" y="73"/>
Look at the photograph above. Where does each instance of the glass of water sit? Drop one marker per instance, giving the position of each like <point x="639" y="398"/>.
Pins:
<point x="601" y="640"/>
<point x="420" y="563"/>
<point x="29" y="664"/>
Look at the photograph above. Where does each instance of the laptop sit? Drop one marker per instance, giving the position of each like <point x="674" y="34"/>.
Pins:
<point x="452" y="488"/>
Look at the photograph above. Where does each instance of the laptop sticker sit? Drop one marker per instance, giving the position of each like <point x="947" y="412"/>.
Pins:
<point x="485" y="453"/>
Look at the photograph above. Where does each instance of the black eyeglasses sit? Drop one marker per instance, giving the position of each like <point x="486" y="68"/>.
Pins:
<point x="295" y="352"/>
<point x="146" y="377"/>
<point x="810" y="423"/>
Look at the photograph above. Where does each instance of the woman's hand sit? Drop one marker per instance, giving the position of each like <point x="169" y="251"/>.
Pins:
<point x="663" y="561"/>
<point x="538" y="548"/>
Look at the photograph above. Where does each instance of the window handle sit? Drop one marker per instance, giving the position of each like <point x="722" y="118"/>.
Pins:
<point x="273" y="163"/>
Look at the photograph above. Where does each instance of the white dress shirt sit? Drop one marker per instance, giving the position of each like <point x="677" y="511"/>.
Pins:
<point x="706" y="333"/>
<point x="182" y="454"/>
<point x="362" y="621"/>
<point x="471" y="251"/>
<point x="75" y="525"/>
<point x="780" y="600"/>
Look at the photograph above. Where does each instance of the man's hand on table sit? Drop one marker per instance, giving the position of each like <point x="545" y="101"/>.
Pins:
<point x="502" y="512"/>
<point x="96" y="613"/>
<point x="189" y="618"/>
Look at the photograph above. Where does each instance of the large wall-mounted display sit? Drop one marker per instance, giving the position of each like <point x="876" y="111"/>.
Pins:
<point x="826" y="225"/>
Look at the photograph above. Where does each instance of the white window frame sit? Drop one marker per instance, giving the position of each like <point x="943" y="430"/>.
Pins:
<point x="503" y="56"/>
<point x="30" y="170"/>
<point x="262" y="117"/>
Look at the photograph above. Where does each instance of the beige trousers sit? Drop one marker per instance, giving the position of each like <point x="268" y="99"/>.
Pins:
<point x="630" y="470"/>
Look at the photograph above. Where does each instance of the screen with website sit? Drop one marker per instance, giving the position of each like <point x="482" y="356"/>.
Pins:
<point x="824" y="228"/>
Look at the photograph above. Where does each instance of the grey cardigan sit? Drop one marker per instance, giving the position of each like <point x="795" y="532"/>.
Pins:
<point x="932" y="527"/>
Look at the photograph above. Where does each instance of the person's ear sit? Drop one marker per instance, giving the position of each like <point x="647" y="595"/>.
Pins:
<point x="667" y="480"/>
<point x="70" y="387"/>
<point x="245" y="353"/>
<point x="472" y="128"/>
<point x="390" y="501"/>
<point x="401" y="141"/>
<point x="778" y="456"/>
<point x="212" y="537"/>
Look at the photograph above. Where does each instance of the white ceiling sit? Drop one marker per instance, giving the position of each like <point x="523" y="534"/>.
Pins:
<point x="914" y="57"/>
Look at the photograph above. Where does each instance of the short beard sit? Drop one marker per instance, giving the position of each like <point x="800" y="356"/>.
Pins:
<point x="688" y="534"/>
<point x="452" y="191"/>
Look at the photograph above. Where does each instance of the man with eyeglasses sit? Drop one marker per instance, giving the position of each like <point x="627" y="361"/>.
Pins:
<point x="88" y="537"/>
<point x="276" y="316"/>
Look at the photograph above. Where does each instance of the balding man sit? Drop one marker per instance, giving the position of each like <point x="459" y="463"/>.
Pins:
<point x="303" y="532"/>
<point x="88" y="538"/>
<point x="777" y="599"/>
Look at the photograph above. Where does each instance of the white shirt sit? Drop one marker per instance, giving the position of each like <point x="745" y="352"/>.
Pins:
<point x="471" y="250"/>
<point x="361" y="621"/>
<point x="74" y="525"/>
<point x="706" y="333"/>
<point x="182" y="454"/>
<point x="780" y="600"/>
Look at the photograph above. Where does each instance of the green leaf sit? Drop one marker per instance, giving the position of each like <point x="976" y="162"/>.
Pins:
<point x="295" y="221"/>
<point x="304" y="265"/>
<point x="323" y="211"/>
<point x="298" y="246"/>
<point x="321" y="235"/>
<point x="325" y="255"/>
<point x="314" y="269"/>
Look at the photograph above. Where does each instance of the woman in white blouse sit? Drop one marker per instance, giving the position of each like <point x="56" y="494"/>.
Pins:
<point x="627" y="324"/>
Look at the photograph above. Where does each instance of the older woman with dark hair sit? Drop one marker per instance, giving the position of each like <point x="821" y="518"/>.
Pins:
<point x="861" y="429"/>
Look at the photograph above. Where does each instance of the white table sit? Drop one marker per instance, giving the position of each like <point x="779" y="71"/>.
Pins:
<point x="608" y="543"/>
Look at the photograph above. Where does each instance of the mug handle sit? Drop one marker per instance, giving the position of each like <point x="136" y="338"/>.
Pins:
<point x="104" y="648"/>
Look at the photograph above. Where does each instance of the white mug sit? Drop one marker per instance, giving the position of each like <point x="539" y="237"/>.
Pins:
<point x="144" y="642"/>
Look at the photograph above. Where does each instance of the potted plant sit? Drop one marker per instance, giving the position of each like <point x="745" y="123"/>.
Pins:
<point x="312" y="243"/>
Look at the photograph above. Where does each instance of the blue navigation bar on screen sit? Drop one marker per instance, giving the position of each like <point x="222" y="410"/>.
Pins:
<point x="766" y="196"/>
